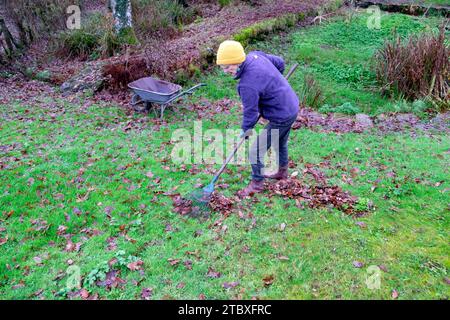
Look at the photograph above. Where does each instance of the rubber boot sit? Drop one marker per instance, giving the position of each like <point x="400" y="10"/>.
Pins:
<point x="282" y="174"/>
<point x="253" y="187"/>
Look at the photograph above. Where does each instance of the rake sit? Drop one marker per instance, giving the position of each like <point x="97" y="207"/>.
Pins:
<point x="201" y="197"/>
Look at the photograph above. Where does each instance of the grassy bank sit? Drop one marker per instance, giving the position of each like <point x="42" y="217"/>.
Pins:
<point x="338" y="56"/>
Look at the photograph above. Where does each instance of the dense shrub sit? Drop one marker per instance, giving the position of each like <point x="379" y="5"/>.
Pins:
<point x="162" y="17"/>
<point x="78" y="43"/>
<point x="310" y="94"/>
<point x="95" y="38"/>
<point x="345" y="108"/>
<point x="417" y="68"/>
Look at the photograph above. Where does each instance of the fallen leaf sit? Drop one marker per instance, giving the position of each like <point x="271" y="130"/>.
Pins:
<point x="58" y="196"/>
<point x="146" y="293"/>
<point x="3" y="240"/>
<point x="181" y="285"/>
<point x="188" y="264"/>
<point x="70" y="246"/>
<point x="245" y="249"/>
<point x="268" y="280"/>
<point x="394" y="294"/>
<point x="173" y="262"/>
<point x="229" y="285"/>
<point x="38" y="260"/>
<point x="198" y="233"/>
<point x="108" y="211"/>
<point x="84" y="294"/>
<point x="61" y="230"/>
<point x="9" y="214"/>
<point x="93" y="297"/>
<point x="38" y="293"/>
<point x="112" y="245"/>
<point x="383" y="267"/>
<point x="135" y="265"/>
<point x="361" y="224"/>
<point x="21" y="284"/>
<point x="112" y="280"/>
<point x="213" y="274"/>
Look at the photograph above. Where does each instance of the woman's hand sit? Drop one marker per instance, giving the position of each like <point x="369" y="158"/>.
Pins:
<point x="246" y="134"/>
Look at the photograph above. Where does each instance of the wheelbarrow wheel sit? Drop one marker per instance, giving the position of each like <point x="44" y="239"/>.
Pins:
<point x="139" y="105"/>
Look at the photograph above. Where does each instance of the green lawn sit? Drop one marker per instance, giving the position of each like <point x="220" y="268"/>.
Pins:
<point x="87" y="169"/>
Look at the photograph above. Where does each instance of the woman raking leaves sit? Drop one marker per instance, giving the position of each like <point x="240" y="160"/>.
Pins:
<point x="265" y="93"/>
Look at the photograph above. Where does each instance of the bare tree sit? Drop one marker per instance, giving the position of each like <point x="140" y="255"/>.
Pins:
<point x="123" y="20"/>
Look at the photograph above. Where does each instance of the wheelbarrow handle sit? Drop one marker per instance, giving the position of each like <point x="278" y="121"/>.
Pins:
<point x="194" y="88"/>
<point x="188" y="91"/>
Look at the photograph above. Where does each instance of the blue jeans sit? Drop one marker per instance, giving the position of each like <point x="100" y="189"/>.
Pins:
<point x="279" y="131"/>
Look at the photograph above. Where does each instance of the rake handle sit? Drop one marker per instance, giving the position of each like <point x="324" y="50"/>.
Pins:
<point x="230" y="156"/>
<point x="291" y="71"/>
<point x="228" y="159"/>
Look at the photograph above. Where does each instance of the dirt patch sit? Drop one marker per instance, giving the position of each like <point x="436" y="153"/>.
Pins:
<point x="412" y="7"/>
<point x="338" y="123"/>
<point x="36" y="93"/>
<point x="30" y="91"/>
<point x="171" y="58"/>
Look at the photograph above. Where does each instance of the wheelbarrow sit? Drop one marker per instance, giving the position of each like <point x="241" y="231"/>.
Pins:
<point x="154" y="92"/>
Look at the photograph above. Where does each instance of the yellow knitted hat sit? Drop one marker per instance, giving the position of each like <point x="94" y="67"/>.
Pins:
<point x="230" y="52"/>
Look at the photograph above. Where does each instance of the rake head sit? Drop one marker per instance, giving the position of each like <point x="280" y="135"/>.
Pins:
<point x="200" y="199"/>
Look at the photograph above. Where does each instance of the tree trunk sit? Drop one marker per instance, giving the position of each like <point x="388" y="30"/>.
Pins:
<point x="25" y="33"/>
<point x="11" y="44"/>
<point x="123" y="21"/>
<point x="183" y="3"/>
